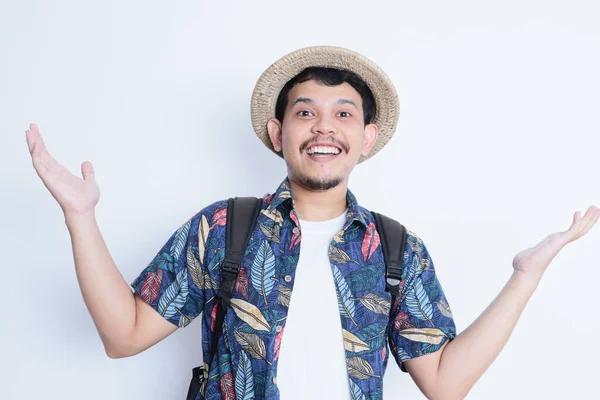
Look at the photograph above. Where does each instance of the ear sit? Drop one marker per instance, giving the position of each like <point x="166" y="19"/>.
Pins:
<point x="371" y="135"/>
<point x="275" y="132"/>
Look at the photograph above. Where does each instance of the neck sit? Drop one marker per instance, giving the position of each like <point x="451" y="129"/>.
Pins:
<point x="312" y="205"/>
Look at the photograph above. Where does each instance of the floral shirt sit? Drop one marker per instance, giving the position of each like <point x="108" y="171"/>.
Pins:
<point x="182" y="281"/>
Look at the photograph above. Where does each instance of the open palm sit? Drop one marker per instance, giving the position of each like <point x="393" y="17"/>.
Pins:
<point x="74" y="195"/>
<point x="535" y="260"/>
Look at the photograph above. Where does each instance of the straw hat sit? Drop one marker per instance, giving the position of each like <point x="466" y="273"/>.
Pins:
<point x="269" y="85"/>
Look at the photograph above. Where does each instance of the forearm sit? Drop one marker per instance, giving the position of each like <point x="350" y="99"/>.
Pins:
<point x="107" y="295"/>
<point x="466" y="358"/>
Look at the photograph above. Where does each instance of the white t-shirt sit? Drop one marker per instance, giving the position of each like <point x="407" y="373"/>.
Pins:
<point x="312" y="360"/>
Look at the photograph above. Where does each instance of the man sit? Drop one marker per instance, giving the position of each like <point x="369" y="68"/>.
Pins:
<point x="314" y="264"/>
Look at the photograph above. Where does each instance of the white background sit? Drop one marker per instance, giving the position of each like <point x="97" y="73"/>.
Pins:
<point x="496" y="147"/>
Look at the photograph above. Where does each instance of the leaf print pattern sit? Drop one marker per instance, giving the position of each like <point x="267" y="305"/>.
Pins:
<point x="184" y="320"/>
<point x="357" y="394"/>
<point x="250" y="314"/>
<point x="226" y="384"/>
<point x="268" y="198"/>
<point x="345" y="303"/>
<point x="250" y="347"/>
<point x="174" y="297"/>
<point x="401" y="321"/>
<point x="370" y="242"/>
<point x="253" y="344"/>
<point x="226" y="337"/>
<point x="274" y="216"/>
<point x="271" y="233"/>
<point x="180" y="240"/>
<point x="285" y="194"/>
<point x="200" y="278"/>
<point x="213" y="316"/>
<point x="365" y="277"/>
<point x="424" y="265"/>
<point x="285" y="294"/>
<point x="353" y="343"/>
<point x="277" y="346"/>
<point x="373" y="334"/>
<point x="425" y="335"/>
<point x="338" y="255"/>
<point x="220" y="218"/>
<point x="376" y="303"/>
<point x="202" y="236"/>
<point x="403" y="355"/>
<point x="359" y="368"/>
<point x="296" y="234"/>
<point x="339" y="237"/>
<point x="244" y="380"/>
<point x="151" y="286"/>
<point x="263" y="270"/>
<point x="241" y="283"/>
<point x="444" y="308"/>
<point x="414" y="242"/>
<point x="418" y="302"/>
<point x="295" y="239"/>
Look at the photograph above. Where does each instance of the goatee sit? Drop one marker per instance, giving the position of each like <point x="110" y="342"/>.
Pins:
<point x="318" y="184"/>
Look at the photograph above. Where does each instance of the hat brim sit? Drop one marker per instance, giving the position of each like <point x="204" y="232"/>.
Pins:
<point x="269" y="85"/>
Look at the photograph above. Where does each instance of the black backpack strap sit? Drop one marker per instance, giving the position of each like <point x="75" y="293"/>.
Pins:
<point x="242" y="213"/>
<point x="392" y="235"/>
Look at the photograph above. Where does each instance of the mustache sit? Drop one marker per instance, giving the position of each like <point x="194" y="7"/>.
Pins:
<point x="333" y="141"/>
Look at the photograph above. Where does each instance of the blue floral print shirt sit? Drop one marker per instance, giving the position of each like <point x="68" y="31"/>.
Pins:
<point x="182" y="281"/>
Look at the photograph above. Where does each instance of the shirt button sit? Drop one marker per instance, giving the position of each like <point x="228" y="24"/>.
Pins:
<point x="278" y="329"/>
<point x="287" y="278"/>
<point x="295" y="230"/>
<point x="274" y="380"/>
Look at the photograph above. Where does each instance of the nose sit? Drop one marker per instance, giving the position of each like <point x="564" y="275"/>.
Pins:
<point x="324" y="126"/>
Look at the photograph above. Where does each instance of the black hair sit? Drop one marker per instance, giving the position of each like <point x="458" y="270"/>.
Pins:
<point x="329" y="77"/>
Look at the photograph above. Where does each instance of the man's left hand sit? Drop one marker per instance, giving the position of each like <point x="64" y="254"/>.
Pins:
<point x="532" y="262"/>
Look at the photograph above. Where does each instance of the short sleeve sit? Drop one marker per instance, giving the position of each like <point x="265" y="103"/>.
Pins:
<point x="173" y="282"/>
<point x="422" y="320"/>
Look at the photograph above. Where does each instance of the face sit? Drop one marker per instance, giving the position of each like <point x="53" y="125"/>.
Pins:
<point x="323" y="134"/>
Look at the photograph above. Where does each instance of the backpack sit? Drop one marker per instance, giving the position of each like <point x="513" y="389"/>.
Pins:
<point x="242" y="213"/>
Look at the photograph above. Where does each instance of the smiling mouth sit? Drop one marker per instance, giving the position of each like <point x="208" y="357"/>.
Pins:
<point x="323" y="151"/>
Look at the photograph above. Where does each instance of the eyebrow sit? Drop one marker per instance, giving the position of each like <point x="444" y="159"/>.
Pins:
<point x="308" y="100"/>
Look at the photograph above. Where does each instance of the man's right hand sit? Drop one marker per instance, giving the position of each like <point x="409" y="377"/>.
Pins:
<point x="126" y="324"/>
<point x="76" y="196"/>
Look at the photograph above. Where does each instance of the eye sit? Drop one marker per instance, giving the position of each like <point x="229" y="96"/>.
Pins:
<point x="304" y="113"/>
<point x="345" y="114"/>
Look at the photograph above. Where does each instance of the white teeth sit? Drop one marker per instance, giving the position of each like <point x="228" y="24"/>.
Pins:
<point x="323" y="150"/>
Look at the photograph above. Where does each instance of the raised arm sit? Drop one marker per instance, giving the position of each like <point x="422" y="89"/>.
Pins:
<point x="126" y="324"/>
<point x="451" y="372"/>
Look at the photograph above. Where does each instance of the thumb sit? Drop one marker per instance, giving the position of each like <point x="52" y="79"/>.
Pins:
<point x="87" y="171"/>
<point x="576" y="217"/>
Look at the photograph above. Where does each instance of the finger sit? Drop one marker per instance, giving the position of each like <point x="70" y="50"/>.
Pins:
<point x="572" y="233"/>
<point x="37" y="145"/>
<point x="589" y="215"/>
<point x="575" y="225"/>
<point x="594" y="215"/>
<point x="44" y="164"/>
<point x="576" y="218"/>
<point x="87" y="171"/>
<point x="30" y="137"/>
<point x="585" y="223"/>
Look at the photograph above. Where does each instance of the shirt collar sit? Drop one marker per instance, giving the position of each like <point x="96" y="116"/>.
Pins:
<point x="283" y="194"/>
<point x="355" y="212"/>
